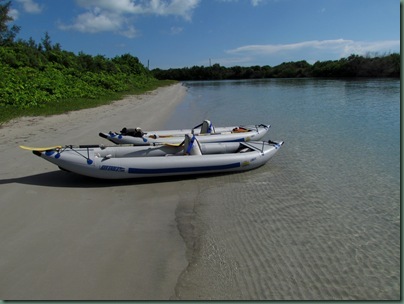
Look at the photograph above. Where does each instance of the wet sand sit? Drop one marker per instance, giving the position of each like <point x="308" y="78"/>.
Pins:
<point x="67" y="237"/>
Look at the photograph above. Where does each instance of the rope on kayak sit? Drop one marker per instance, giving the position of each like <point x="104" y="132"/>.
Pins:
<point x="87" y="147"/>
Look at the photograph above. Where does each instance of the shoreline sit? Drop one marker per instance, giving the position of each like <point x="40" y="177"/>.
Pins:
<point x="69" y="237"/>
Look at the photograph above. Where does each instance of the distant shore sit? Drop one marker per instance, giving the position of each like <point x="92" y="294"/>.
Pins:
<point x="67" y="237"/>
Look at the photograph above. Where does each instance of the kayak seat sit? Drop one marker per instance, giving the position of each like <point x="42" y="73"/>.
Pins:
<point x="191" y="145"/>
<point x="206" y="127"/>
<point x="136" y="132"/>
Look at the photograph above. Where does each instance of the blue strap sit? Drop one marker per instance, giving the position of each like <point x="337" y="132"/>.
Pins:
<point x="191" y="143"/>
<point x="210" y="128"/>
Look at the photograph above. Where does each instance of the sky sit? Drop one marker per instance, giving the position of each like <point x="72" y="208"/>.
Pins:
<point x="185" y="33"/>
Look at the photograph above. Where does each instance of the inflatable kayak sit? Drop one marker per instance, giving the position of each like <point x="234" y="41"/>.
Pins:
<point x="204" y="132"/>
<point x="192" y="157"/>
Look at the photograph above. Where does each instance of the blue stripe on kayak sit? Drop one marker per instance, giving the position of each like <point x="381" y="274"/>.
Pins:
<point x="237" y="140"/>
<point x="242" y="139"/>
<point x="182" y="170"/>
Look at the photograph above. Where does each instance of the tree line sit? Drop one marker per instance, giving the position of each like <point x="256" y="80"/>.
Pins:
<point x="353" y="66"/>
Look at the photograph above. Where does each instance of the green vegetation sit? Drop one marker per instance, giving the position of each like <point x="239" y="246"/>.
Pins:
<point x="42" y="79"/>
<point x="353" y="66"/>
<point x="65" y="105"/>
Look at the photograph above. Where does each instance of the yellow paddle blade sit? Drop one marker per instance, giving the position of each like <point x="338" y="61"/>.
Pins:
<point x="173" y="145"/>
<point x="40" y="149"/>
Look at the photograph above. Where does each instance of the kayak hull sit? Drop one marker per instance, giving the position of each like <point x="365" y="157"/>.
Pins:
<point x="123" y="162"/>
<point x="222" y="134"/>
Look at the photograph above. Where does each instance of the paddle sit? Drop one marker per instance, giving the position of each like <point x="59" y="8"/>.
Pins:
<point x="43" y="149"/>
<point x="174" y="145"/>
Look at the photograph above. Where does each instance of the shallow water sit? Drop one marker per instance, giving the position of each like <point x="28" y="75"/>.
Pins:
<point x="321" y="220"/>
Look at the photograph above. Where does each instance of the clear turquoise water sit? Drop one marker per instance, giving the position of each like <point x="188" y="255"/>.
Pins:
<point x="321" y="220"/>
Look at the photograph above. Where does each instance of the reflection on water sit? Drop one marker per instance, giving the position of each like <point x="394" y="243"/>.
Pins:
<point x="319" y="221"/>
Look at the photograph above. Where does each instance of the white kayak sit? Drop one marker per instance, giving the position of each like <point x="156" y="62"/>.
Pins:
<point x="204" y="132"/>
<point x="124" y="162"/>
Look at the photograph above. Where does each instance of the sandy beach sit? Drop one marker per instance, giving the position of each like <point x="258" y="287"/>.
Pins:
<point x="66" y="237"/>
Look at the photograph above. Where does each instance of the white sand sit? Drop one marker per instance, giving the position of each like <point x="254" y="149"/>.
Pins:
<point x="66" y="237"/>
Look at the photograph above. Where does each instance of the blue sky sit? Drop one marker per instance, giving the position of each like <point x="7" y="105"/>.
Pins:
<point x="185" y="33"/>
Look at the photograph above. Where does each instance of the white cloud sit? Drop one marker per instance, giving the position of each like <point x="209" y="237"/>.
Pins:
<point x="13" y="13"/>
<point x="115" y="16"/>
<point x="362" y="48"/>
<point x="30" y="6"/>
<point x="340" y="47"/>
<point x="311" y="51"/>
<point x="95" y="21"/>
<point x="255" y="2"/>
<point x="117" y="6"/>
<point x="182" y="8"/>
